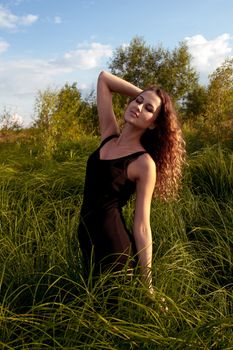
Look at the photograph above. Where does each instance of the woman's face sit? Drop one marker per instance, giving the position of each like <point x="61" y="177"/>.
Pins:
<point x="143" y="110"/>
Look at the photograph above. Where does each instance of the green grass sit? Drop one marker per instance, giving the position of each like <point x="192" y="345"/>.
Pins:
<point x="44" y="302"/>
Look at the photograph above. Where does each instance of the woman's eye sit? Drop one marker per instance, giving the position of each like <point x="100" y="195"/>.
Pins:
<point x="150" y="109"/>
<point x="139" y="99"/>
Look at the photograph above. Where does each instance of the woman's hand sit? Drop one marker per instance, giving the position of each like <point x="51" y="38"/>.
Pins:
<point x="154" y="298"/>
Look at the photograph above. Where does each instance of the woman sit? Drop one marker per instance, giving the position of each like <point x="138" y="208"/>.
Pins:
<point x="145" y="157"/>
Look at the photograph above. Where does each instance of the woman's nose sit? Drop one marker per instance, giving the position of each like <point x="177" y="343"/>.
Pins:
<point x="139" y="106"/>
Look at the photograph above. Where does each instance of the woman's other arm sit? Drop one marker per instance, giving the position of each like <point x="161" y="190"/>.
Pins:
<point x="145" y="172"/>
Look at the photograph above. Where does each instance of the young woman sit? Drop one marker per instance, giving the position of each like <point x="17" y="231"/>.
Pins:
<point x="144" y="158"/>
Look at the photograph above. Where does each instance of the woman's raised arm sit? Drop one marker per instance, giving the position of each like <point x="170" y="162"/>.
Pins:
<point x="108" y="84"/>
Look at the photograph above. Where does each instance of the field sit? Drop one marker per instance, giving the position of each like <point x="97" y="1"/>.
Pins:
<point x="44" y="302"/>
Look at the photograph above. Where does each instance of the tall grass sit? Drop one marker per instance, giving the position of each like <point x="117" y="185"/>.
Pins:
<point x="46" y="304"/>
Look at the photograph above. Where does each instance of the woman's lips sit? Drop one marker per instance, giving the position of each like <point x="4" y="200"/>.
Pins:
<point x="135" y="114"/>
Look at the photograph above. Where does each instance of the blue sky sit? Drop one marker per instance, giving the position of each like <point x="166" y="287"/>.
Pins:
<point x="46" y="43"/>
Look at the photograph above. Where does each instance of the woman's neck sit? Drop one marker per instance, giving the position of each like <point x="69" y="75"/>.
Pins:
<point x="130" y="136"/>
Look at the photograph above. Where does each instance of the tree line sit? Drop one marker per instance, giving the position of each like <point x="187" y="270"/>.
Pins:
<point x="207" y="109"/>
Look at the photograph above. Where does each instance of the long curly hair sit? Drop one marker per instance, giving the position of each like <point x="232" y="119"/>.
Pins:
<point x="166" y="146"/>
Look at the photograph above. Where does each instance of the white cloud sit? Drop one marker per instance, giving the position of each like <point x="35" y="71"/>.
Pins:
<point x="83" y="86"/>
<point x="17" y="119"/>
<point x="27" y="20"/>
<point x="57" y="19"/>
<point x="19" y="82"/>
<point x="10" y="21"/>
<point x="21" y="79"/>
<point x="23" y="76"/>
<point x="209" y="54"/>
<point x="12" y="119"/>
<point x="3" y="46"/>
<point x="87" y="56"/>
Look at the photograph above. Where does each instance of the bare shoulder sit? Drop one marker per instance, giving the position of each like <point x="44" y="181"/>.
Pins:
<point x="145" y="163"/>
<point x="143" y="168"/>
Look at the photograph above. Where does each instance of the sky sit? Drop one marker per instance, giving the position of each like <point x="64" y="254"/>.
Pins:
<point x="47" y="43"/>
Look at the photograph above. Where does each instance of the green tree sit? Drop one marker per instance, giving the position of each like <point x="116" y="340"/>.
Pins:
<point x="144" y="65"/>
<point x="56" y="116"/>
<point x="45" y="107"/>
<point x="133" y="62"/>
<point x="175" y="73"/>
<point x="8" y="122"/>
<point x="219" y="107"/>
<point x="195" y="104"/>
<point x="62" y="115"/>
<point x="68" y="112"/>
<point x="90" y="120"/>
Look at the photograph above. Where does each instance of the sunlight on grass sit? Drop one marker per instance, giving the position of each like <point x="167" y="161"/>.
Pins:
<point x="46" y="304"/>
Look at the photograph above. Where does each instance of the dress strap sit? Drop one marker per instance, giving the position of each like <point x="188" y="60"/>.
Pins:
<point x="133" y="156"/>
<point x="108" y="139"/>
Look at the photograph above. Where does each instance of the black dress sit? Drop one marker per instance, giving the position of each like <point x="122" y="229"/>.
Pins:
<point x="104" y="239"/>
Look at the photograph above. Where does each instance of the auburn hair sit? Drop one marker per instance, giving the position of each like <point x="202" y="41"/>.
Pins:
<point x="166" y="146"/>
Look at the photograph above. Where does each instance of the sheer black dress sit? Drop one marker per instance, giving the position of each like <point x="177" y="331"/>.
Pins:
<point x="103" y="236"/>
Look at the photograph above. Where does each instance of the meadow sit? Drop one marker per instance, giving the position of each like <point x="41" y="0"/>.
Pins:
<point x="45" y="303"/>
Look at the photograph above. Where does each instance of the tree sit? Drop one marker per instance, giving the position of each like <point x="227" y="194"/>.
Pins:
<point x="68" y="111"/>
<point x="62" y="115"/>
<point x="144" y="65"/>
<point x="195" y="104"/>
<point x="45" y="108"/>
<point x="90" y="119"/>
<point x="9" y="121"/>
<point x="132" y="62"/>
<point x="219" y="107"/>
<point x="175" y="73"/>
<point x="73" y="114"/>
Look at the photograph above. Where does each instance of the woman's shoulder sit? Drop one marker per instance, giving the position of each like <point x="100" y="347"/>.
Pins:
<point x="143" y="167"/>
<point x="146" y="163"/>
